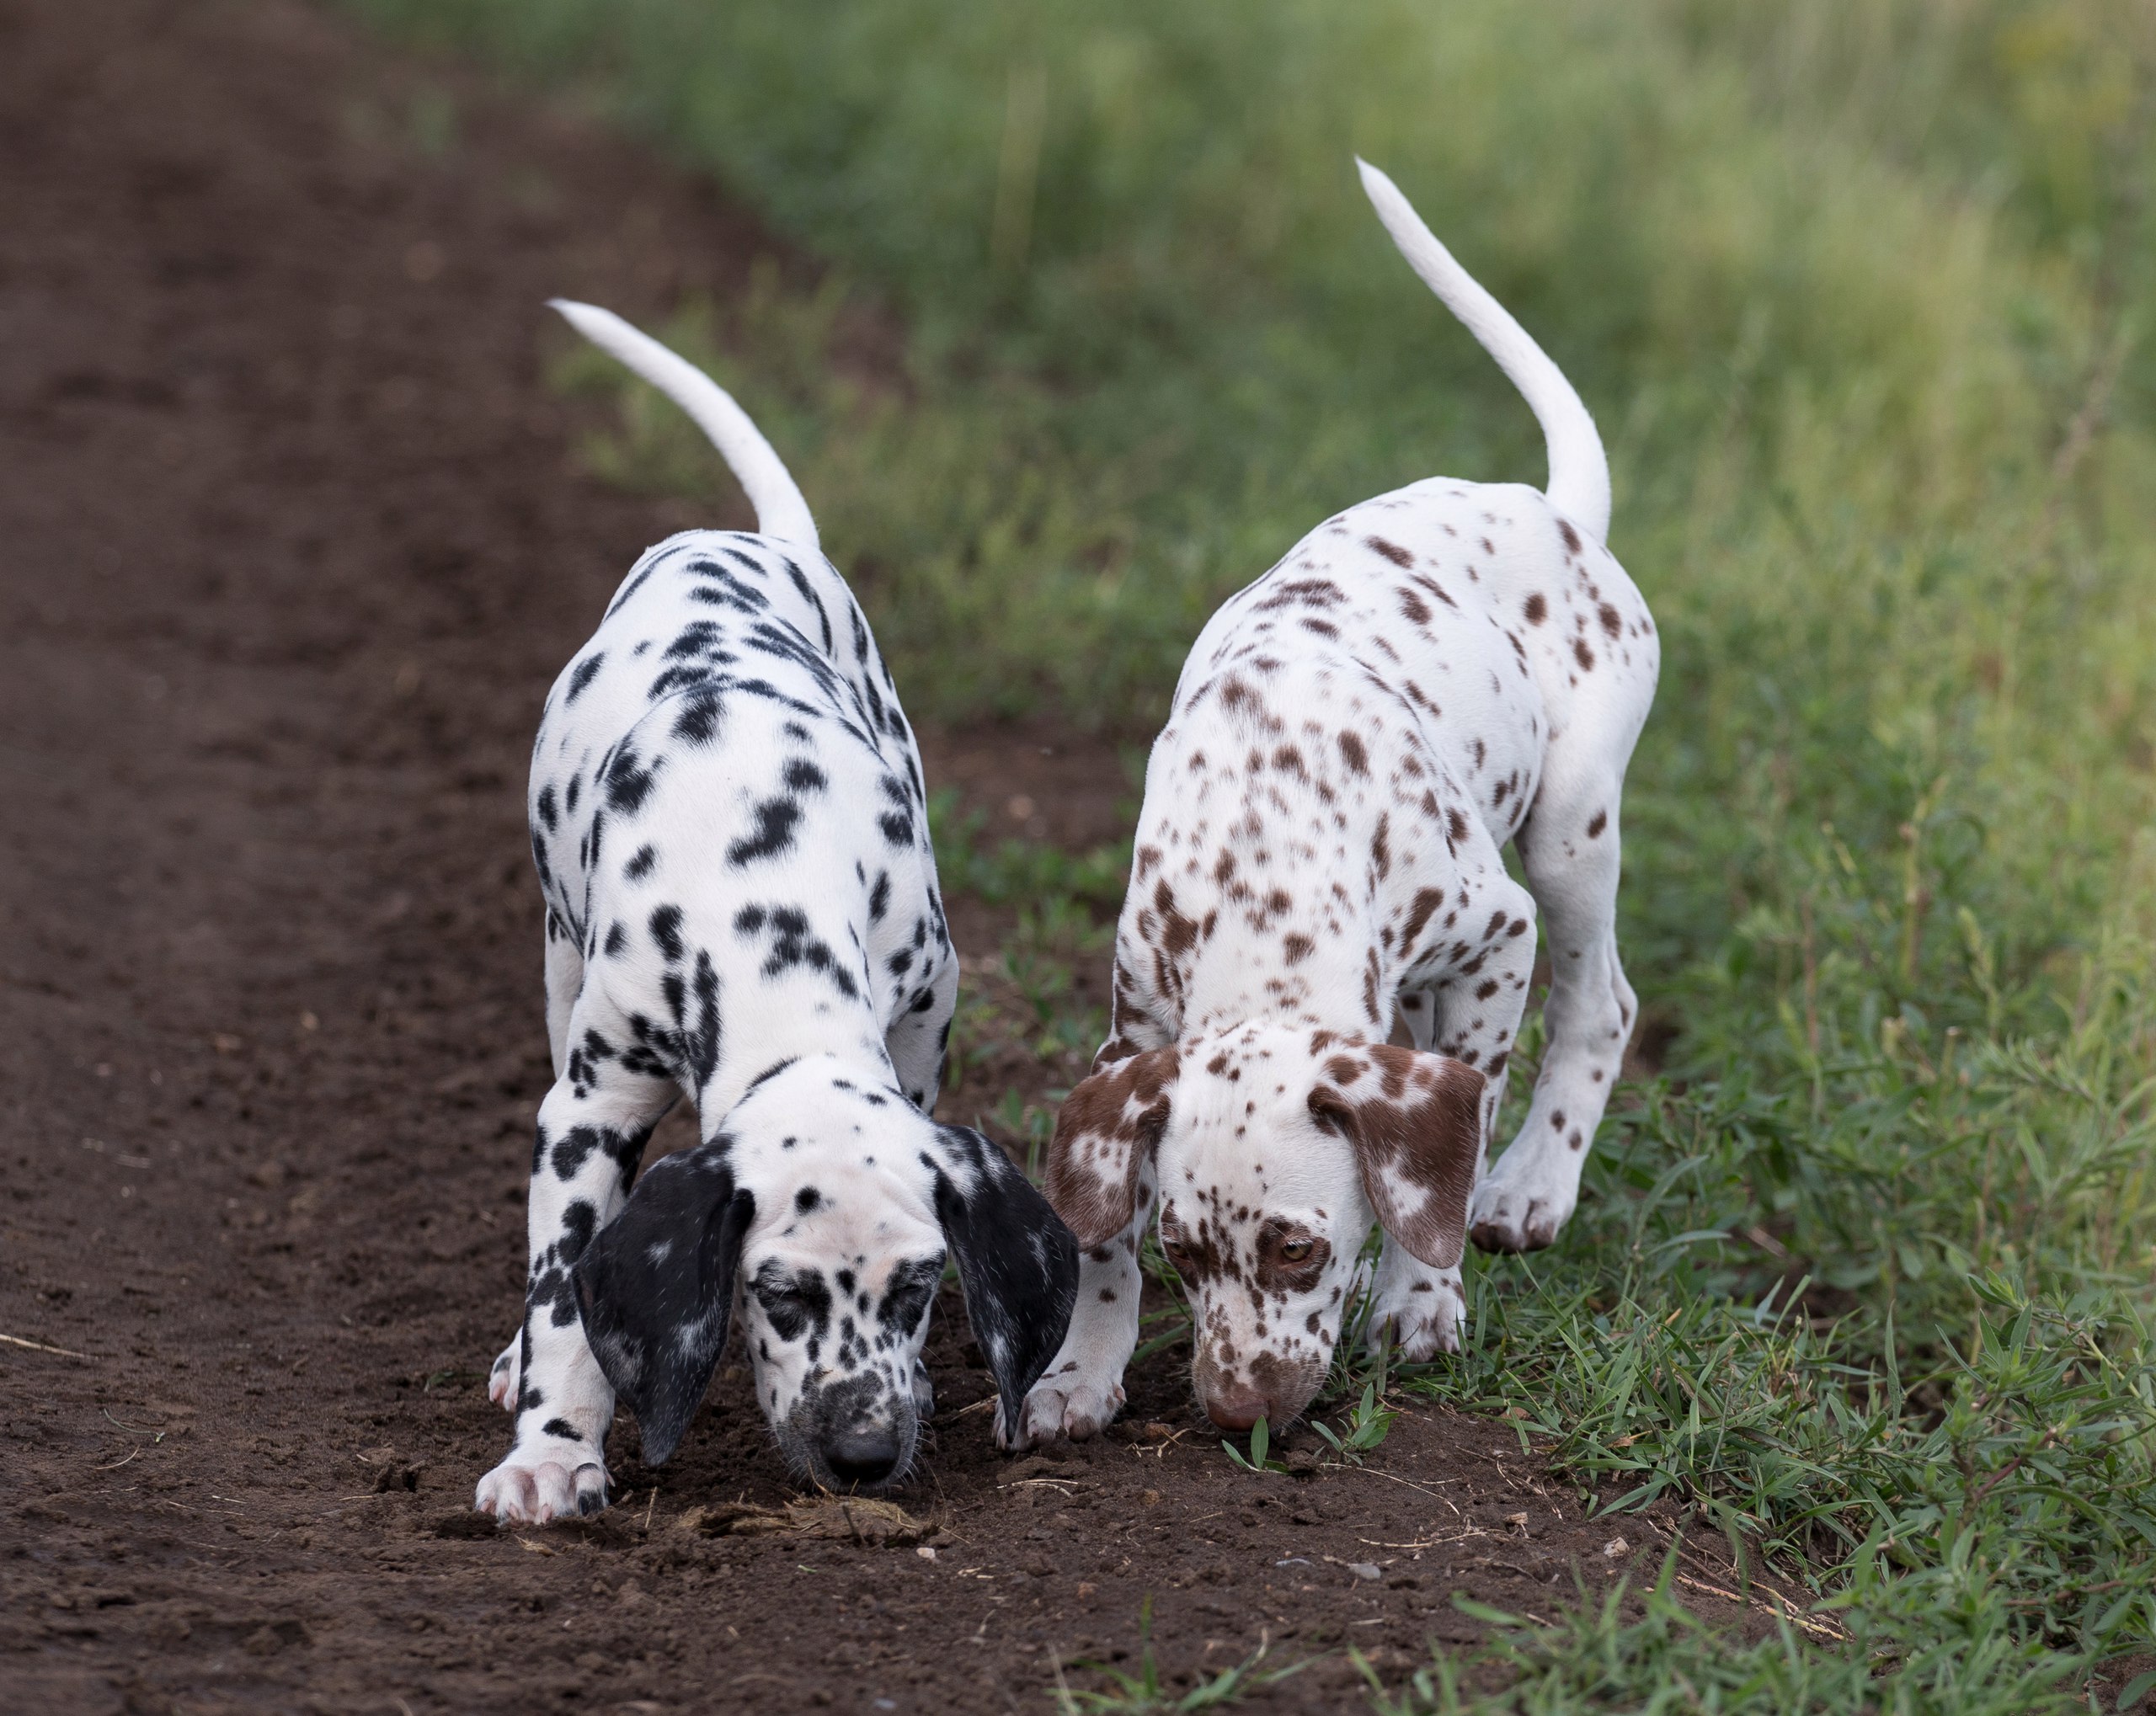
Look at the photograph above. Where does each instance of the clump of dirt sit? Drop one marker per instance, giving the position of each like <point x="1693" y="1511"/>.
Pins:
<point x="295" y="548"/>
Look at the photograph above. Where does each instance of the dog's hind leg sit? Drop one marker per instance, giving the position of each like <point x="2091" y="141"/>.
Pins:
<point x="592" y="1131"/>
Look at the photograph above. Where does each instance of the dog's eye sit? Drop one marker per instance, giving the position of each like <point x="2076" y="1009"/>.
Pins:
<point x="791" y="1306"/>
<point x="905" y="1304"/>
<point x="1296" y="1250"/>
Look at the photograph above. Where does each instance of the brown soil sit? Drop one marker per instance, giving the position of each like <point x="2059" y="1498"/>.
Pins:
<point x="293" y="546"/>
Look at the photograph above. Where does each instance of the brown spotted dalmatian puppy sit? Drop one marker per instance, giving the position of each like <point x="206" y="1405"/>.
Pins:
<point x="1354" y="739"/>
<point x="728" y="817"/>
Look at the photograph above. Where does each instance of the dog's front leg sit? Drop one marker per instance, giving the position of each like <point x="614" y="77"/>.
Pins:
<point x="564" y="983"/>
<point x="1422" y="1309"/>
<point x="592" y="1130"/>
<point x="919" y="1035"/>
<point x="1571" y="863"/>
<point x="1081" y="1390"/>
<point x="1472" y="1013"/>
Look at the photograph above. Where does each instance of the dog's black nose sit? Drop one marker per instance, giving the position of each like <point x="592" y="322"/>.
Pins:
<point x="862" y="1456"/>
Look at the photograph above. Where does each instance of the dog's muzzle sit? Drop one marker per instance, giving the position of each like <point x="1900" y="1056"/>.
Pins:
<point x="857" y="1433"/>
<point x="1237" y="1398"/>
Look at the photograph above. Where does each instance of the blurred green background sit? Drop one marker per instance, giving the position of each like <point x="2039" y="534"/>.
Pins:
<point x="1863" y="295"/>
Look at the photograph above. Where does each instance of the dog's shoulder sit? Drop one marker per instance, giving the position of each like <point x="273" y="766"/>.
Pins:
<point x="708" y="612"/>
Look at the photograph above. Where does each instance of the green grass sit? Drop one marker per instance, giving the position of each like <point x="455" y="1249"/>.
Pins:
<point x="1667" y="1661"/>
<point x="1862" y="294"/>
<point x="1148" y="1693"/>
<point x="1063" y="892"/>
<point x="1065" y="905"/>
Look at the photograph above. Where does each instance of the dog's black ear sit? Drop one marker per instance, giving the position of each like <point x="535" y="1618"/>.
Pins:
<point x="655" y="1288"/>
<point x="1017" y="1262"/>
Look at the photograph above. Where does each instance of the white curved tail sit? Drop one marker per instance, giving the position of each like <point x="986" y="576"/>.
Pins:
<point x="780" y="509"/>
<point x="1579" y="469"/>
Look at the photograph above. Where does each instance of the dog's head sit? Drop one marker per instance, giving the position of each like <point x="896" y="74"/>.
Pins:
<point x="1276" y="1149"/>
<point x="827" y="1204"/>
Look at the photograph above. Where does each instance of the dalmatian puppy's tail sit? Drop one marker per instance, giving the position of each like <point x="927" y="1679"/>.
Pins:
<point x="1579" y="472"/>
<point x="780" y="511"/>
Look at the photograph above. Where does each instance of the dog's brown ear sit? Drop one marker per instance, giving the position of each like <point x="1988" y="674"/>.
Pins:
<point x="1105" y="1133"/>
<point x="1415" y="1120"/>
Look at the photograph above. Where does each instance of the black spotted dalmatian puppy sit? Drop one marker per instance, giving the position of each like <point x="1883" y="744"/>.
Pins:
<point x="728" y="817"/>
<point x="1354" y="739"/>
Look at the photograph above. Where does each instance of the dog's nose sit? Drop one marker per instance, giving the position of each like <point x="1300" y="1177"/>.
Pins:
<point x="1238" y="1409"/>
<point x="862" y="1456"/>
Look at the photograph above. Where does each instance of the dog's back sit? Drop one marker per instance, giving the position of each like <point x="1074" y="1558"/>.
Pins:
<point x="1479" y="613"/>
<point x="735" y="657"/>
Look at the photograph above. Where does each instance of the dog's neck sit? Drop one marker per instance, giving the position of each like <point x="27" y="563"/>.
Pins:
<point x="762" y="1046"/>
<point x="1343" y="987"/>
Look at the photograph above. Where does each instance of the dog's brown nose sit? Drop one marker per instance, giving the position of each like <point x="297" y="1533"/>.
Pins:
<point x="1238" y="1408"/>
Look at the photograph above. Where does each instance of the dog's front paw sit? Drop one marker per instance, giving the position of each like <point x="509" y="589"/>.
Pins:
<point x="1066" y="1402"/>
<point x="503" y="1381"/>
<point x="551" y="1478"/>
<point x="1423" y="1317"/>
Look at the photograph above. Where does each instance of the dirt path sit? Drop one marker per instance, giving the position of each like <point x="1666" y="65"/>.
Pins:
<point x="291" y="545"/>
